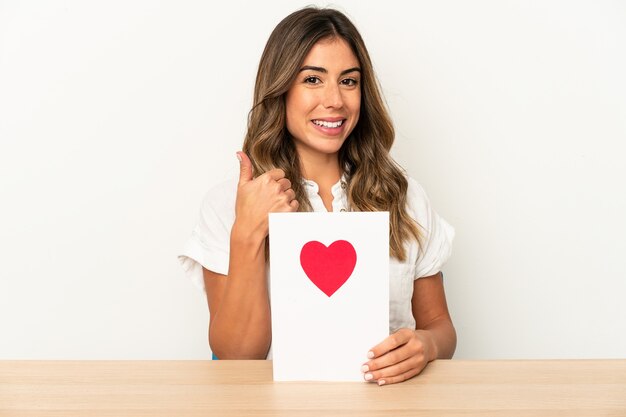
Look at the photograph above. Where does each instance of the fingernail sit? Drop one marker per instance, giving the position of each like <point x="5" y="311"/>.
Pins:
<point x="365" y="368"/>
<point x="368" y="377"/>
<point x="381" y="382"/>
<point x="238" y="156"/>
<point x="370" y="354"/>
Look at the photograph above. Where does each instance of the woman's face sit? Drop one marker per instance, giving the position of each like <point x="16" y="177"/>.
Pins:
<point x="324" y="101"/>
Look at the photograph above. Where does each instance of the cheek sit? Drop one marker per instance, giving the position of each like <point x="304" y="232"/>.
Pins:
<point x="355" y="110"/>
<point x="295" y="106"/>
<point x="290" y="113"/>
<point x="355" y="107"/>
<point x="355" y="103"/>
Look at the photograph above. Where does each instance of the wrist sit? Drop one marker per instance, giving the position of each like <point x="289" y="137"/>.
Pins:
<point x="430" y="344"/>
<point x="243" y="234"/>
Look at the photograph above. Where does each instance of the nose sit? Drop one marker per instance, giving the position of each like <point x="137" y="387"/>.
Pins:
<point x="332" y="97"/>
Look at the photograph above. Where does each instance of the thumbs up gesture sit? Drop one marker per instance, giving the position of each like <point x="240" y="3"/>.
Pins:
<point x="257" y="197"/>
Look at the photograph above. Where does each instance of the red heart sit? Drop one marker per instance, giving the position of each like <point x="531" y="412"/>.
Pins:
<point x="328" y="267"/>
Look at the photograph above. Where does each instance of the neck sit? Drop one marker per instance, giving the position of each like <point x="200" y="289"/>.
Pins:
<point x="322" y="168"/>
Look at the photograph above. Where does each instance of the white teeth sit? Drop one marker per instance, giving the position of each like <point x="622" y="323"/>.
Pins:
<point x="328" y="124"/>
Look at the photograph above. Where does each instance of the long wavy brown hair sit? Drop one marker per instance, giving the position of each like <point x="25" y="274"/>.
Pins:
<point x="375" y="181"/>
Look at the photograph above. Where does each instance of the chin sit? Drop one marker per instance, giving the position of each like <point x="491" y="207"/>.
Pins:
<point x="330" y="147"/>
<point x="320" y="144"/>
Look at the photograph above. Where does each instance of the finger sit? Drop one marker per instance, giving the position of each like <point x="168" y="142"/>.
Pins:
<point x="285" y="184"/>
<point x="390" y="343"/>
<point x="403" y="362"/>
<point x="388" y="359"/>
<point x="399" y="378"/>
<point x="294" y="205"/>
<point x="276" y="174"/>
<point x="245" y="168"/>
<point x="390" y="372"/>
<point x="398" y="355"/>
<point x="291" y="194"/>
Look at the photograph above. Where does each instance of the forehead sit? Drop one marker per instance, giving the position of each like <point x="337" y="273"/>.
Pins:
<point x="331" y="53"/>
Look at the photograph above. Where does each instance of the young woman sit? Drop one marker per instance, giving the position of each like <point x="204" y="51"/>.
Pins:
<point x="318" y="139"/>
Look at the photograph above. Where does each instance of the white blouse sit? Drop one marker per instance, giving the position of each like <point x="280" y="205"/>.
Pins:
<point x="209" y="244"/>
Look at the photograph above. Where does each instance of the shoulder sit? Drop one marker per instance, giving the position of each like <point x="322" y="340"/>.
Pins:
<point x="415" y="189"/>
<point x="220" y="198"/>
<point x="420" y="208"/>
<point x="437" y="234"/>
<point x="417" y="200"/>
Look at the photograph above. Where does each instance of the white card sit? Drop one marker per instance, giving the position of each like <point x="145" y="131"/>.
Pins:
<point x="329" y="283"/>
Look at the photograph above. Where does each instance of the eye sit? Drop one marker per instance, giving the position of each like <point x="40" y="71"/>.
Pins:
<point x="350" y="82"/>
<point x="311" y="79"/>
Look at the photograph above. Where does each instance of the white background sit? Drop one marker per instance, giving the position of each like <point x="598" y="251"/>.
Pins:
<point x="115" y="117"/>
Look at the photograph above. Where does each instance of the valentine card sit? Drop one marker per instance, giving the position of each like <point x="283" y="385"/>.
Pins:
<point x="329" y="283"/>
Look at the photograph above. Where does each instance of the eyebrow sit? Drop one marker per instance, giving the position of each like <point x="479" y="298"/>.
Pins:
<point x="325" y="71"/>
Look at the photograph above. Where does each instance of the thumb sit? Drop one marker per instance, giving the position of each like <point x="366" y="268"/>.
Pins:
<point x="245" y="168"/>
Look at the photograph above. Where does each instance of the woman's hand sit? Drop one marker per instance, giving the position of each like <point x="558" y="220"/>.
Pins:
<point x="257" y="197"/>
<point x="399" y="357"/>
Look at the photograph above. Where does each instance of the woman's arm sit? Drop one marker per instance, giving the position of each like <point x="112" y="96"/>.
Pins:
<point x="432" y="317"/>
<point x="406" y="353"/>
<point x="240" y="325"/>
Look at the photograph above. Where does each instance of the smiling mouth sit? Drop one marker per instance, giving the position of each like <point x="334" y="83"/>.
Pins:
<point x="331" y="125"/>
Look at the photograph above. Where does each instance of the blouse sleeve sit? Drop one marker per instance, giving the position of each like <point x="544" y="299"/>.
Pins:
<point x="209" y="243"/>
<point x="437" y="234"/>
